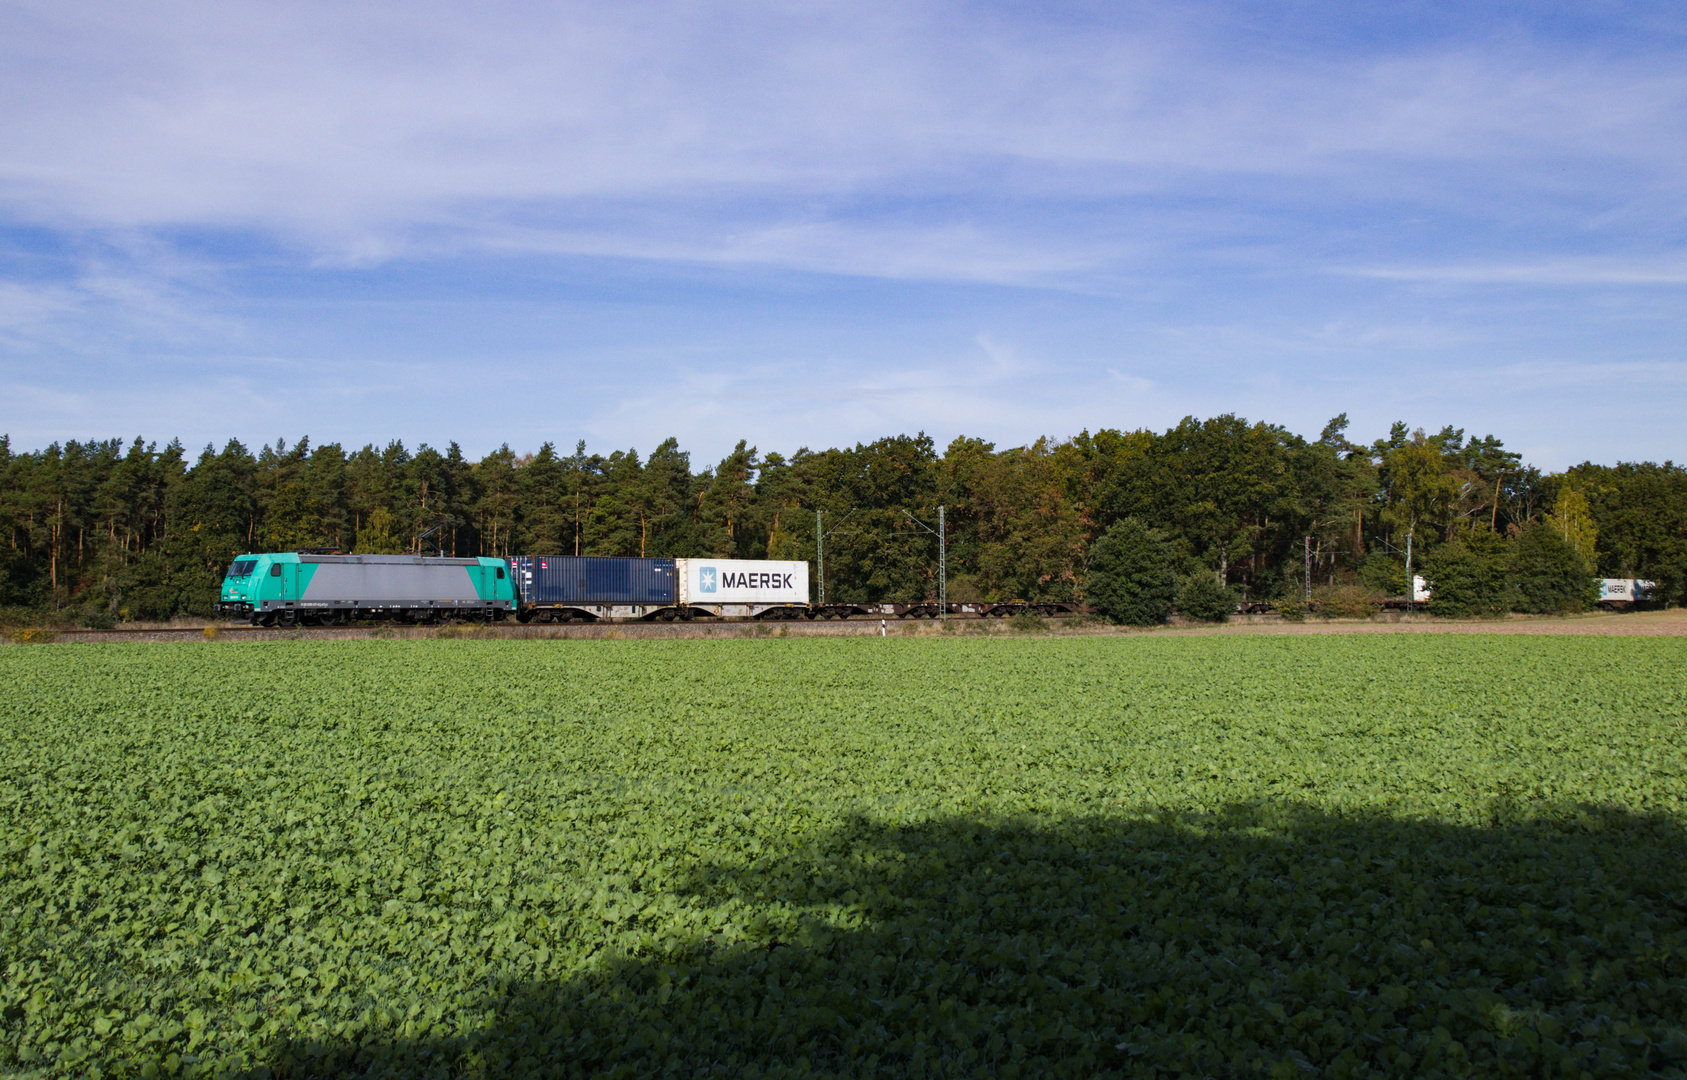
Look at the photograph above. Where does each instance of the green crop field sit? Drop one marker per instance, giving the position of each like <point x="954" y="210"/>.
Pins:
<point x="1134" y="856"/>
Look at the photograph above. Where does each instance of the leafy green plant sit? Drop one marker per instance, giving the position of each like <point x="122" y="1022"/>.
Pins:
<point x="1468" y="576"/>
<point x="1202" y="598"/>
<point x="1292" y="607"/>
<point x="1028" y="622"/>
<point x="964" y="589"/>
<point x="1426" y="855"/>
<point x="1130" y="577"/>
<point x="1548" y="576"/>
<point x="1347" y="601"/>
<point x="98" y="618"/>
<point x="1384" y="573"/>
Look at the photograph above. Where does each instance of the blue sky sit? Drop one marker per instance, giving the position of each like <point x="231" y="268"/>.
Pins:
<point x="812" y="224"/>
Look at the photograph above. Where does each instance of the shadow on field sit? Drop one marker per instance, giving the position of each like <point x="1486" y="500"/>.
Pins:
<point x="1261" y="941"/>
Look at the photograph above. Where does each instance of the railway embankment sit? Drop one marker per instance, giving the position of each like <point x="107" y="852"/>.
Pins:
<point x="1643" y="623"/>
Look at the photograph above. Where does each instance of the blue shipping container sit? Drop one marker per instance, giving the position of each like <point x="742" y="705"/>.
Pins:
<point x="568" y="579"/>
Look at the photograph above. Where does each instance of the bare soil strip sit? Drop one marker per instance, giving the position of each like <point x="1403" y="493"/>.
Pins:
<point x="1672" y="623"/>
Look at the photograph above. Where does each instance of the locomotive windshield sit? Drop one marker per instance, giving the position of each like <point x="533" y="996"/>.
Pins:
<point x="242" y="568"/>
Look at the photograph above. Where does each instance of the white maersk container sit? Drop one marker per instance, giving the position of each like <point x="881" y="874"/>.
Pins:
<point x="741" y="587"/>
<point x="1614" y="590"/>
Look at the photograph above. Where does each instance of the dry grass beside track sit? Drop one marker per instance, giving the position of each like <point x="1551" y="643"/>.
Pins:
<point x="1671" y="623"/>
<point x="1645" y="624"/>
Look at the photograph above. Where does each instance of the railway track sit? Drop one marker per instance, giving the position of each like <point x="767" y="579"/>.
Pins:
<point x="509" y="629"/>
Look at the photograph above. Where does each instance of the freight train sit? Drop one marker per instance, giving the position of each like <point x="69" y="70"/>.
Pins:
<point x="327" y="588"/>
<point x="318" y="588"/>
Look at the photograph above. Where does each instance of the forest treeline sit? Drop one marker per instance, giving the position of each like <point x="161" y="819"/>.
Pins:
<point x="112" y="530"/>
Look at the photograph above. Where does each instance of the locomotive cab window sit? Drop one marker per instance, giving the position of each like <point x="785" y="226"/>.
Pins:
<point x="500" y="573"/>
<point x="275" y="570"/>
<point x="242" y="568"/>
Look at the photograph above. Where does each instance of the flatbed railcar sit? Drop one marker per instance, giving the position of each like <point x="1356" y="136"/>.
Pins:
<point x="932" y="610"/>
<point x="776" y="612"/>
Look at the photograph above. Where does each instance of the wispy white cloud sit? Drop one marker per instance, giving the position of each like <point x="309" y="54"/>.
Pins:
<point x="1566" y="272"/>
<point x="111" y="302"/>
<point x="784" y="134"/>
<point x="1552" y="374"/>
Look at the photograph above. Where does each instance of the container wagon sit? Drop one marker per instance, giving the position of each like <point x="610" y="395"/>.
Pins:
<point x="565" y="588"/>
<point x="290" y="588"/>
<point x="1617" y="593"/>
<point x="570" y="588"/>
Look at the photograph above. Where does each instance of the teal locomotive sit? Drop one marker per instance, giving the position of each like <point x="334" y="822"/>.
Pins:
<point x="290" y="588"/>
